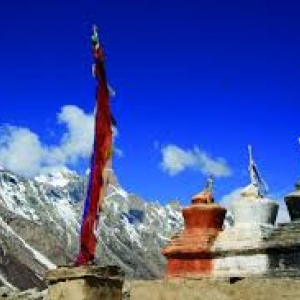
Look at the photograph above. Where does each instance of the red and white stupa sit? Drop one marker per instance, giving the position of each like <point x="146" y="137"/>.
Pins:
<point x="190" y="254"/>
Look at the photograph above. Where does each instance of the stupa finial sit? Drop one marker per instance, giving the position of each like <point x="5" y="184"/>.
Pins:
<point x="209" y="186"/>
<point x="206" y="195"/>
<point x="258" y="187"/>
<point x="251" y="167"/>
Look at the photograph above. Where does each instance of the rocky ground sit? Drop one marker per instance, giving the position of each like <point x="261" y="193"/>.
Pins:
<point x="246" y="289"/>
<point x="31" y="294"/>
<point x="207" y="289"/>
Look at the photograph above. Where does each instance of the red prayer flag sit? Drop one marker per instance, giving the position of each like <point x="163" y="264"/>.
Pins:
<point x="101" y="154"/>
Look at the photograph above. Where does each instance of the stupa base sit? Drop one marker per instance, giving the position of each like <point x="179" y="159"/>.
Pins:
<point x="185" y="267"/>
<point x="263" y="251"/>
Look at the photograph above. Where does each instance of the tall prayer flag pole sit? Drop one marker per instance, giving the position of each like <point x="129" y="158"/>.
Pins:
<point x="102" y="151"/>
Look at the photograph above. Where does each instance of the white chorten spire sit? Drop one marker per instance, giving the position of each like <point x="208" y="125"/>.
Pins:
<point x="257" y="187"/>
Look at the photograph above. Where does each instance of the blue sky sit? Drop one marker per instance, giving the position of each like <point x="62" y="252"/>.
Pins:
<point x="195" y="81"/>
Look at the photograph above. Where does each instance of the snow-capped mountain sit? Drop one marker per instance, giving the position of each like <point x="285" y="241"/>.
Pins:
<point x="57" y="178"/>
<point x="40" y="224"/>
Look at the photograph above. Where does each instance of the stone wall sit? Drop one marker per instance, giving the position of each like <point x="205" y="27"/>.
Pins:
<point x="85" y="283"/>
<point x="262" y="250"/>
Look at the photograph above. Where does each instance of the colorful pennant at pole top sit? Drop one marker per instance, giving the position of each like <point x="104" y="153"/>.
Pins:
<point x="102" y="150"/>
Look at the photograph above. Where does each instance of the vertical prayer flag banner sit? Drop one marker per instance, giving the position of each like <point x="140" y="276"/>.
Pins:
<point x="102" y="150"/>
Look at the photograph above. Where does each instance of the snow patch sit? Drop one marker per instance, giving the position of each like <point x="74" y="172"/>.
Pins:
<point x="57" y="177"/>
<point x="39" y="257"/>
<point x="119" y="191"/>
<point x="6" y="283"/>
<point x="134" y="236"/>
<point x="65" y="209"/>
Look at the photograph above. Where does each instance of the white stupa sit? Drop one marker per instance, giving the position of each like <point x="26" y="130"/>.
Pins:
<point x="254" y="246"/>
<point x="254" y="207"/>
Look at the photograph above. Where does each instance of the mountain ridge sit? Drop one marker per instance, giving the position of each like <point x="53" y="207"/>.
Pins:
<point x="42" y="219"/>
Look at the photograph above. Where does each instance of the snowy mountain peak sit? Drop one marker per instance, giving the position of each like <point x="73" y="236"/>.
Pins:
<point x="131" y="231"/>
<point x="57" y="177"/>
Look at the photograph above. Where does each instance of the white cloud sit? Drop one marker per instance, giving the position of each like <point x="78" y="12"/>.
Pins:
<point x="175" y="160"/>
<point x="23" y="152"/>
<point x="78" y="139"/>
<point x="20" y="150"/>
